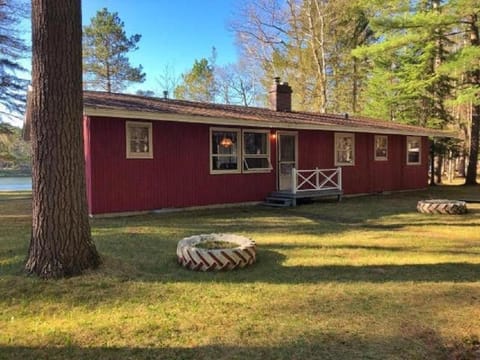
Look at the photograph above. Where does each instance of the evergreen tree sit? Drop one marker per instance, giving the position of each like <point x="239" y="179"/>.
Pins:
<point x="427" y="53"/>
<point x="198" y="84"/>
<point x="105" y="47"/>
<point x="12" y="49"/>
<point x="13" y="149"/>
<point x="464" y="66"/>
<point x="405" y="64"/>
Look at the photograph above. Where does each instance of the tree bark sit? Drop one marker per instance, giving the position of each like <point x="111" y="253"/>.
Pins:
<point x="316" y="34"/>
<point x="432" y="163"/>
<point x="461" y="165"/>
<point x="61" y="243"/>
<point x="471" y="178"/>
<point x="438" y="168"/>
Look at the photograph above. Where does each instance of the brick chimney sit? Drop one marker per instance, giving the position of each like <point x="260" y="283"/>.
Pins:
<point x="280" y="96"/>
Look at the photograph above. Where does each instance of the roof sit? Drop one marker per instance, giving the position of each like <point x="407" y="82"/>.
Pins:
<point x="148" y="108"/>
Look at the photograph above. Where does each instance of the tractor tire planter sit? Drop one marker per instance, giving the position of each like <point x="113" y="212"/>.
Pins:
<point x="200" y="259"/>
<point x="441" y="206"/>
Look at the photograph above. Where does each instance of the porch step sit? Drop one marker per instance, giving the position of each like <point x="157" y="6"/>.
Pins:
<point x="313" y="194"/>
<point x="277" y="201"/>
<point x="287" y="199"/>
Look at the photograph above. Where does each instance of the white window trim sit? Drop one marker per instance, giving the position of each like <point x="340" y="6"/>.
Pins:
<point x="238" y="170"/>
<point x="419" y="139"/>
<point x="135" y="155"/>
<point x="337" y="137"/>
<point x="380" y="158"/>
<point x="259" y="156"/>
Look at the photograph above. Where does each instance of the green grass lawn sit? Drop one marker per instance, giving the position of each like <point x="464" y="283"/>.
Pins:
<point x="367" y="278"/>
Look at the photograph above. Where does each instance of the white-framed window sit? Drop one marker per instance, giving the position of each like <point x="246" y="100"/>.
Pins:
<point x="381" y="147"/>
<point x="414" y="147"/>
<point x="139" y="142"/>
<point x="256" y="150"/>
<point x="224" y="150"/>
<point x="344" y="149"/>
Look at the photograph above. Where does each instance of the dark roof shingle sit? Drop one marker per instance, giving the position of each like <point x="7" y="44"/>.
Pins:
<point x="101" y="102"/>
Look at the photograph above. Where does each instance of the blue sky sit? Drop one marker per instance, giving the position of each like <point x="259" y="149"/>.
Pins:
<point x="174" y="33"/>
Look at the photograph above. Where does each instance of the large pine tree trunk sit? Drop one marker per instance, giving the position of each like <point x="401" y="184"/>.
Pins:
<point x="471" y="178"/>
<point x="61" y="243"/>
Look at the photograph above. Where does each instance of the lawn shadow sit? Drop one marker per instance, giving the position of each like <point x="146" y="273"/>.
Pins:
<point x="154" y="256"/>
<point x="12" y="267"/>
<point x="117" y="278"/>
<point x="418" y="343"/>
<point x="270" y="268"/>
<point x="12" y="261"/>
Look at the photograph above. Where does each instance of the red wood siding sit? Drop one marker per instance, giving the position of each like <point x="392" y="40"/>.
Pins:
<point x="179" y="173"/>
<point x="316" y="149"/>
<point x="177" y="176"/>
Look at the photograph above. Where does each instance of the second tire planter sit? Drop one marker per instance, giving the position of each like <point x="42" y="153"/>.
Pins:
<point x="240" y="255"/>
<point x="442" y="206"/>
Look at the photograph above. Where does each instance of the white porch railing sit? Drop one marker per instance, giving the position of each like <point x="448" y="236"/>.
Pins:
<point x="317" y="179"/>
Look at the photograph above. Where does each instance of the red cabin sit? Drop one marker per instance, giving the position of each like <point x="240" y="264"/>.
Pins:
<point x="155" y="153"/>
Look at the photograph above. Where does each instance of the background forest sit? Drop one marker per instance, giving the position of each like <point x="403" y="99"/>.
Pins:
<point x="416" y="62"/>
<point x="14" y="152"/>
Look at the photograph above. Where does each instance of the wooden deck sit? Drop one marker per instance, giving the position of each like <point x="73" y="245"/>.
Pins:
<point x="288" y="198"/>
<point x="308" y="184"/>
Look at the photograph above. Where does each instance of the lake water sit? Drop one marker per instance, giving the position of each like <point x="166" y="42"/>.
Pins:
<point x="15" y="183"/>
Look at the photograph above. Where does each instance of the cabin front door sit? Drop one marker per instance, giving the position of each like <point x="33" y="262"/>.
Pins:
<point x="287" y="159"/>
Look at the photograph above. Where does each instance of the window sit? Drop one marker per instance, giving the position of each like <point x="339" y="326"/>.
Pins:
<point x="139" y="140"/>
<point x="344" y="149"/>
<point x="227" y="156"/>
<point x="381" y="147"/>
<point x="413" y="150"/>
<point x="224" y="150"/>
<point x="256" y="150"/>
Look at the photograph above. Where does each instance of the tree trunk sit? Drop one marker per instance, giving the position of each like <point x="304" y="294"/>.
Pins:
<point x="317" y="44"/>
<point x="461" y="165"/>
<point x="61" y="243"/>
<point x="354" y="85"/>
<point x="451" y="167"/>
<point x="471" y="178"/>
<point x="432" y="163"/>
<point x="109" y="79"/>
<point x="438" y="168"/>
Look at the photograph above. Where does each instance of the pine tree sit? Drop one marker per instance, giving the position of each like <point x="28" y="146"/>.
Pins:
<point x="198" y="84"/>
<point x="433" y="47"/>
<point x="105" y="47"/>
<point x="463" y="65"/>
<point x="405" y="63"/>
